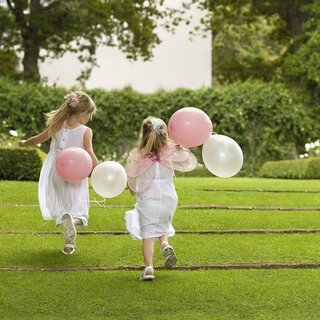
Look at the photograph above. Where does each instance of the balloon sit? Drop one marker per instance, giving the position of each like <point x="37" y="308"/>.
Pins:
<point x="190" y="127"/>
<point x="73" y="164"/>
<point x="109" y="179"/>
<point x="222" y="156"/>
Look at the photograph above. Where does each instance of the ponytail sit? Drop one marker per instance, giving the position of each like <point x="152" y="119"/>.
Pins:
<point x="152" y="137"/>
<point x="56" y="118"/>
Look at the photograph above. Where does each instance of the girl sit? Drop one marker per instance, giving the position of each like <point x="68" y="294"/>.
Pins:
<point x="65" y="202"/>
<point x="150" y="178"/>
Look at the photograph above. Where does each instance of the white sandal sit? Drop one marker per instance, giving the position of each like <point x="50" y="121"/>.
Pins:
<point x="145" y="276"/>
<point x="69" y="245"/>
<point x="70" y="232"/>
<point x="170" y="258"/>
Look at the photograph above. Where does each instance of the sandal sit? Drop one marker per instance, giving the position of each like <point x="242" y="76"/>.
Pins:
<point x="170" y="258"/>
<point x="68" y="245"/>
<point x="70" y="232"/>
<point x="145" y="276"/>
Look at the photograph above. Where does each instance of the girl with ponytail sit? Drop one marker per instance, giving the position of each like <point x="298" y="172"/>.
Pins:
<point x="65" y="202"/>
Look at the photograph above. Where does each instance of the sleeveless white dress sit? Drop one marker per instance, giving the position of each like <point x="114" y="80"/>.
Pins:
<point x="56" y="196"/>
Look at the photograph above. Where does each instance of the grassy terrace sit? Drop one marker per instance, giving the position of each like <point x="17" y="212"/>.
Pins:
<point x="30" y="248"/>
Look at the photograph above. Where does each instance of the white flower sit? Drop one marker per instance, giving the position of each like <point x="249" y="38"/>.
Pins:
<point x="301" y="156"/>
<point x="306" y="155"/>
<point x="39" y="145"/>
<point x="13" y="133"/>
<point x="307" y="146"/>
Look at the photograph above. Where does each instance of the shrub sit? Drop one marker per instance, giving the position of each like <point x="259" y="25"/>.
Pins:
<point x="263" y="118"/>
<point x="20" y="164"/>
<point x="292" y="169"/>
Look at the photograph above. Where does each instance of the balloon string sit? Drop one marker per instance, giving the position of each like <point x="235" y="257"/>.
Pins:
<point x="100" y="203"/>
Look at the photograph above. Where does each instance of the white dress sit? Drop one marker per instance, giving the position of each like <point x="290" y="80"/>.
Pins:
<point x="151" y="178"/>
<point x="56" y="196"/>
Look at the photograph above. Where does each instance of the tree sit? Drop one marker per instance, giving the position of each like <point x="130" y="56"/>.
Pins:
<point x="8" y="59"/>
<point x="252" y="37"/>
<point x="49" y="28"/>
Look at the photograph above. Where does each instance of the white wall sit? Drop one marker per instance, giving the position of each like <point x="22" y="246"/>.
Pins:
<point x="178" y="63"/>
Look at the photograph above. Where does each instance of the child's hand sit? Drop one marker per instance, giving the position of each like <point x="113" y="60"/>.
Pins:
<point x="21" y="143"/>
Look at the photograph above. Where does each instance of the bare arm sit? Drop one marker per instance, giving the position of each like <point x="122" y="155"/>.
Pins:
<point x="42" y="137"/>
<point x="87" y="145"/>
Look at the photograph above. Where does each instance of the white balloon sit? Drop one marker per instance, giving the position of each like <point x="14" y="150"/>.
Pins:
<point x="109" y="179"/>
<point x="222" y="156"/>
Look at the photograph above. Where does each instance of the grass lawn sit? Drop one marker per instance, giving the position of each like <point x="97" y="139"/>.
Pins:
<point x="175" y="294"/>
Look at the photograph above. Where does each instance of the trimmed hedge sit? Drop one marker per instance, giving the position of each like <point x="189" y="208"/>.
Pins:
<point x="20" y="164"/>
<point x="263" y="118"/>
<point x="292" y="169"/>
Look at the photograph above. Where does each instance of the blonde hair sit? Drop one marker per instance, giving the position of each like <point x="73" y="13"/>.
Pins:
<point x="76" y="102"/>
<point x="153" y="136"/>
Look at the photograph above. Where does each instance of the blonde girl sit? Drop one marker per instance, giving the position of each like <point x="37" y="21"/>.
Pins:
<point x="150" y="174"/>
<point x="66" y="203"/>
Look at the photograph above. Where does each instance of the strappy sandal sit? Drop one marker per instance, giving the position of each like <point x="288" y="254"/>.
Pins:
<point x="70" y="231"/>
<point x="170" y="258"/>
<point x="68" y="245"/>
<point x="145" y="276"/>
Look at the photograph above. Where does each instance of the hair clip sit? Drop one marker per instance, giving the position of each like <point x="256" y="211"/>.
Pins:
<point x="72" y="99"/>
<point x="156" y="126"/>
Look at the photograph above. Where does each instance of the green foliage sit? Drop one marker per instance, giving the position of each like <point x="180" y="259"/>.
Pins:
<point x="302" y="63"/>
<point x="244" y="48"/>
<point x="20" y="164"/>
<point x="263" y="118"/>
<point x="292" y="169"/>
<point x="80" y="26"/>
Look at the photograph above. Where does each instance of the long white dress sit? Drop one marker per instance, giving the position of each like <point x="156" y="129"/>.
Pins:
<point x="56" y="196"/>
<point x="151" y="178"/>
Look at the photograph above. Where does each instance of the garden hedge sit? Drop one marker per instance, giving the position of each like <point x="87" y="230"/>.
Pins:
<point x="20" y="164"/>
<point x="292" y="169"/>
<point x="263" y="118"/>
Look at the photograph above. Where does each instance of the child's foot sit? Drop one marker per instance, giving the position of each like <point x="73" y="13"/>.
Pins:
<point x="70" y="234"/>
<point x="170" y="258"/>
<point x="147" y="274"/>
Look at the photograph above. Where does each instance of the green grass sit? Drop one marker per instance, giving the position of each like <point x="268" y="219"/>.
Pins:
<point x="211" y="294"/>
<point x="97" y="250"/>
<point x="111" y="219"/>
<point x="225" y="294"/>
<point x="189" y="192"/>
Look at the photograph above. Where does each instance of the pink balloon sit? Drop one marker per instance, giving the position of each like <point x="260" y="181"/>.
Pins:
<point x="190" y="127"/>
<point x="73" y="164"/>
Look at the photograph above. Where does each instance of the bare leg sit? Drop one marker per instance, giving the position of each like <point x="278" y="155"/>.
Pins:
<point x="163" y="241"/>
<point x="148" y="251"/>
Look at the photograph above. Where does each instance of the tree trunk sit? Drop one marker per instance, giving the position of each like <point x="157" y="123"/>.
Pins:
<point x="213" y="35"/>
<point x="295" y="19"/>
<point x="31" y="44"/>
<point x="30" y="60"/>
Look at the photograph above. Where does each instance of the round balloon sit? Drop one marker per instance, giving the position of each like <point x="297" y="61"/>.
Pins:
<point x="222" y="156"/>
<point x="73" y="164"/>
<point x="109" y="179"/>
<point x="190" y="127"/>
